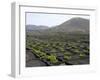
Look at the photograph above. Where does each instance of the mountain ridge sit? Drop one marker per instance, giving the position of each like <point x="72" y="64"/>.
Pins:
<point x="73" y="25"/>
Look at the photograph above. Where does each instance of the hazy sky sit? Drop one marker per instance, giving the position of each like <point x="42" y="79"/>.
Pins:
<point x="48" y="19"/>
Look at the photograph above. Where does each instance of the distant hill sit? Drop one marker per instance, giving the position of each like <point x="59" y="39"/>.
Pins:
<point x="34" y="27"/>
<point x="74" y="25"/>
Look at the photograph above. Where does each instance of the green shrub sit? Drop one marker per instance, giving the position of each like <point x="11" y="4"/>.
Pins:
<point x="82" y="55"/>
<point x="52" y="59"/>
<point x="67" y="53"/>
<point x="67" y="57"/>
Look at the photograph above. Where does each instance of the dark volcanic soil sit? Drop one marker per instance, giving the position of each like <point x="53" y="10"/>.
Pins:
<point x="32" y="60"/>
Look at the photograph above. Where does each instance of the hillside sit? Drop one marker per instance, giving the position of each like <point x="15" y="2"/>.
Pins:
<point x="74" y="26"/>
